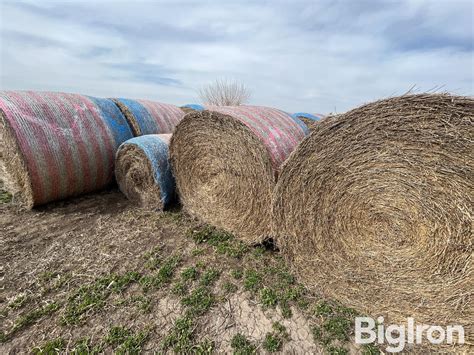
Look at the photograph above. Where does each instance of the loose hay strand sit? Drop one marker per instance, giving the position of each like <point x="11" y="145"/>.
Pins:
<point x="375" y="209"/>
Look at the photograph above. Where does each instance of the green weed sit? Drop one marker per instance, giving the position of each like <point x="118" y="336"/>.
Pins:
<point x="242" y="346"/>
<point x="199" y="301"/>
<point x="51" y="347"/>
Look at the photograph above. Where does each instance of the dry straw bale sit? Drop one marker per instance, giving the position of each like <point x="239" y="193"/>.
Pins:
<point x="143" y="171"/>
<point x="374" y="208"/>
<point x="225" y="161"/>
<point x="57" y="145"/>
<point x="192" y="107"/>
<point x="309" y="119"/>
<point x="150" y="117"/>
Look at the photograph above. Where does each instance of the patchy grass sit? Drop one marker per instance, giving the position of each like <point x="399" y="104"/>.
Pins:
<point x="273" y="341"/>
<point x="268" y="297"/>
<point x="370" y="349"/>
<point x="161" y="277"/>
<point x="190" y="274"/>
<point x="84" y="347"/>
<point x="242" y="346"/>
<point x="181" y="339"/>
<point x="204" y="273"/>
<point x="18" y="302"/>
<point x="237" y="273"/>
<point x="229" y="287"/>
<point x="336" y="350"/>
<point x="29" y="318"/>
<point x="90" y="298"/>
<point x="51" y="347"/>
<point x="179" y="289"/>
<point x="143" y="303"/>
<point x="252" y="280"/>
<point x="199" y="301"/>
<point x="223" y="242"/>
<point x="124" y="341"/>
<point x="181" y="336"/>
<point x="336" y="326"/>
<point x="209" y="277"/>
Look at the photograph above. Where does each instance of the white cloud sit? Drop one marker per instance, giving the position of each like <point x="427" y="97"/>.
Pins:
<point x="313" y="56"/>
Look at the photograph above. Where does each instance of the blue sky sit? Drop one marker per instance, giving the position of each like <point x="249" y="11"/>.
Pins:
<point x="314" y="56"/>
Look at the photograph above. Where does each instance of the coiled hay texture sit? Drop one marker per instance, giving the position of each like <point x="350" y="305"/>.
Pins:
<point x="57" y="145"/>
<point x="226" y="161"/>
<point x="143" y="171"/>
<point x="375" y="208"/>
<point x="150" y="117"/>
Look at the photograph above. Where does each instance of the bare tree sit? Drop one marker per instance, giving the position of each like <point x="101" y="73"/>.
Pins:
<point x="224" y="92"/>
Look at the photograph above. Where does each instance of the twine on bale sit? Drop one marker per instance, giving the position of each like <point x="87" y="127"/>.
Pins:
<point x="375" y="209"/>
<point x="225" y="161"/>
<point x="149" y="117"/>
<point x="143" y="171"/>
<point x="57" y="145"/>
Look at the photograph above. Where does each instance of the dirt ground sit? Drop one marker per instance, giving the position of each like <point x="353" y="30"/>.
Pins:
<point x="96" y="274"/>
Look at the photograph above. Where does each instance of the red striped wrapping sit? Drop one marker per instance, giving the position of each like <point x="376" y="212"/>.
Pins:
<point x="276" y="129"/>
<point x="150" y="117"/>
<point x="166" y="116"/>
<point x="66" y="141"/>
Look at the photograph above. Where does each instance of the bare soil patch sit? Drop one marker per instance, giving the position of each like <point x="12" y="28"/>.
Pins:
<point x="96" y="274"/>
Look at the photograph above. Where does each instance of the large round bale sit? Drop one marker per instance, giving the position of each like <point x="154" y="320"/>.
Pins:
<point x="57" y="145"/>
<point x="308" y="119"/>
<point x="143" y="171"/>
<point x="150" y="117"/>
<point x="192" y="107"/>
<point x="375" y="208"/>
<point x="226" y="161"/>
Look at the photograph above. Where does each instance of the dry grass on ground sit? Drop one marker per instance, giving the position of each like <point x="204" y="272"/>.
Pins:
<point x="96" y="274"/>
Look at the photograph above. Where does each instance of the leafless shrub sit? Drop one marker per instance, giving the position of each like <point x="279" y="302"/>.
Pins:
<point x="224" y="92"/>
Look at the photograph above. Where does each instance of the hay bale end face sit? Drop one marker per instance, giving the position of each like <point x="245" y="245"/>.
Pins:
<point x="57" y="145"/>
<point x="150" y="117"/>
<point x="143" y="171"/>
<point x="225" y="162"/>
<point x="374" y="208"/>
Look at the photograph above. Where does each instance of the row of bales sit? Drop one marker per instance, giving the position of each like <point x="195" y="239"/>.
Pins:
<point x="373" y="207"/>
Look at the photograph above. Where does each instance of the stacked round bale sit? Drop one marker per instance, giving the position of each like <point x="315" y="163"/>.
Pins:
<point x="150" y="117"/>
<point x="226" y="162"/>
<point x="308" y="119"/>
<point x="143" y="171"/>
<point x="57" y="145"/>
<point x="142" y="163"/>
<point x="375" y="208"/>
<point x="192" y="107"/>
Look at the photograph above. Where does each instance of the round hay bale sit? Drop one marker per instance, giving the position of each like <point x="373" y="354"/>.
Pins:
<point x="226" y="160"/>
<point x="143" y="171"/>
<point x="57" y="145"/>
<point x="192" y="107"/>
<point x="374" y="208"/>
<point x="308" y="119"/>
<point x="149" y="117"/>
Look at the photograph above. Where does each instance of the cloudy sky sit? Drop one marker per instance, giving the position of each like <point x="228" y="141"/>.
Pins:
<point x="314" y="56"/>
